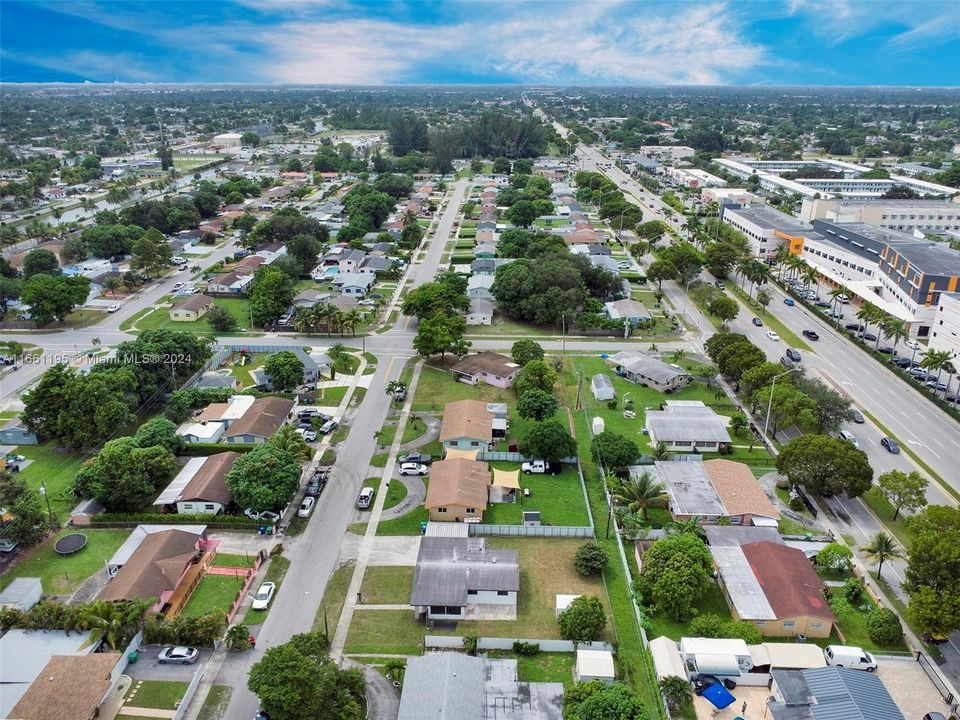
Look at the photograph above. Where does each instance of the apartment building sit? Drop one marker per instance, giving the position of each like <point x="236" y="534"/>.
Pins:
<point x="945" y="332"/>
<point x="930" y="216"/>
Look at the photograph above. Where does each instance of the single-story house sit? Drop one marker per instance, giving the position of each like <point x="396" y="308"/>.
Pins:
<point x="272" y="251"/>
<point x="191" y="308"/>
<point x="230" y="282"/>
<point x="357" y="284"/>
<point x="602" y="387"/>
<point x="22" y="593"/>
<point x="489" y="367"/>
<point x="248" y="265"/>
<point x="485" y="250"/>
<point x="374" y="264"/>
<point x="649" y="372"/>
<point x="227" y="413"/>
<point x="740" y="492"/>
<point x="69" y="687"/>
<point x="217" y="380"/>
<point x="774" y="587"/>
<point x="202" y="431"/>
<point x="594" y="665"/>
<point x="486" y="236"/>
<point x="16" y="433"/>
<point x="455" y="686"/>
<point x="478" y="287"/>
<point x="480" y="312"/>
<point x="685" y="428"/>
<point x="461" y="578"/>
<point x="260" y="422"/>
<point x="156" y="564"/>
<point x="200" y="487"/>
<point x="466" y="425"/>
<point x="605" y="262"/>
<point x="830" y="692"/>
<point x="309" y="298"/>
<point x="458" y="490"/>
<point x="630" y="310"/>
<point x="483" y="266"/>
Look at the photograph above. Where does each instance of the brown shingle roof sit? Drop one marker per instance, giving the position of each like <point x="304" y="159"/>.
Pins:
<point x="788" y="580"/>
<point x="194" y="302"/>
<point x="458" y="482"/>
<point x="213" y="411"/>
<point x="154" y="568"/>
<point x="738" y="489"/>
<point x="466" y="419"/>
<point x="70" y="687"/>
<point x="489" y="362"/>
<point x="208" y="484"/>
<point x="264" y="417"/>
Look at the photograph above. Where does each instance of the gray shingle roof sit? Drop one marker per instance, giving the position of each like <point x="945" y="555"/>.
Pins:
<point x="448" y="567"/>
<point x="443" y="686"/>
<point x="648" y="367"/>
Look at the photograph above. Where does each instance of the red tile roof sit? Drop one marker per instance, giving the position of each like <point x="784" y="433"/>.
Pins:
<point x="788" y="580"/>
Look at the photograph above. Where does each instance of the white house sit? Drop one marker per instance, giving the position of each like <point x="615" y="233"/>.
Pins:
<point x="355" y="284"/>
<point x="478" y="287"/>
<point x="480" y="313"/>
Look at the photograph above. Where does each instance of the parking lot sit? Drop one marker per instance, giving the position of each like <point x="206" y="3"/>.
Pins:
<point x="910" y="688"/>
<point x="147" y="667"/>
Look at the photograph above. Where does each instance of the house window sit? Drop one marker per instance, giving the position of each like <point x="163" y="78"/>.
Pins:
<point x="789" y="624"/>
<point x="816" y="626"/>
<point x="441" y="510"/>
<point x="471" y="592"/>
<point x="471" y="510"/>
<point x="760" y="623"/>
<point x="210" y="506"/>
<point x="474" y="443"/>
<point x="503" y="593"/>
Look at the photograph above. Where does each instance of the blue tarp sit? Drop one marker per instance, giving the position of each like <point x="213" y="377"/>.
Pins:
<point x="719" y="696"/>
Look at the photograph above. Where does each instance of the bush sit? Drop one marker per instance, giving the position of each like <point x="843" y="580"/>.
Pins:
<point x="853" y="589"/>
<point x="796" y="504"/>
<point x="883" y="626"/>
<point x="590" y="558"/>
<point x="611" y="404"/>
<point x="583" y="620"/>
<point x="708" y="625"/>
<point x="526" y="648"/>
<point x="176" y="519"/>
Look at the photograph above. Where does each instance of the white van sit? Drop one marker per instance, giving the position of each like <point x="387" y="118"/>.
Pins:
<point x="849" y="657"/>
<point x="366" y="498"/>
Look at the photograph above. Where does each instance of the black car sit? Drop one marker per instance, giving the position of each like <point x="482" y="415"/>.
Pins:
<point x="810" y="335"/>
<point x="823" y="304"/>
<point x="902" y="362"/>
<point x="885" y="349"/>
<point x="702" y="682"/>
<point x="854" y="326"/>
<point x="890" y="445"/>
<point x="316" y="485"/>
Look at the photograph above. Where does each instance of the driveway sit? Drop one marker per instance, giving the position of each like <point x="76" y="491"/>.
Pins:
<point x="909" y="686"/>
<point x="147" y="667"/>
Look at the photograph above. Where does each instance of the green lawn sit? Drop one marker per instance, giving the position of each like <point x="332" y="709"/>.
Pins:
<point x="559" y="498"/>
<point x="160" y="318"/>
<point x="276" y="571"/>
<point x="230" y="560"/>
<point x="215" y="592"/>
<point x="881" y="507"/>
<point x="61" y="575"/>
<point x="387" y="632"/>
<point x="334" y="597"/>
<point x="407" y="524"/>
<point x="504" y="326"/>
<point x="160" y="694"/>
<point x="386" y="585"/>
<point x="396" y="492"/>
<point x="56" y="468"/>
<point x="215" y="706"/>
<point x="331" y="396"/>
<point x="711" y="602"/>
<point x="852" y="620"/>
<point x="437" y="387"/>
<point x="132" y="320"/>
<point x="242" y="372"/>
<point x="542" y="667"/>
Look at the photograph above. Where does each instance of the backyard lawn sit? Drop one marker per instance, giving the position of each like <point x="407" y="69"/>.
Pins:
<point x="504" y="326"/>
<point x="559" y="498"/>
<point x="235" y="561"/>
<point x="386" y="585"/>
<point x="542" y="667"/>
<point x="437" y="387"/>
<point x="160" y="318"/>
<point x="56" y="468"/>
<point x="215" y="592"/>
<point x="711" y="602"/>
<point x="62" y="575"/>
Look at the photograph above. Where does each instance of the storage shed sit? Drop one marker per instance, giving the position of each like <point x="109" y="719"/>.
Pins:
<point x="602" y="387"/>
<point x="595" y="665"/>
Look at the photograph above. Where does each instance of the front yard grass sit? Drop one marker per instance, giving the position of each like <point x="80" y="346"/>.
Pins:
<point x="407" y="524"/>
<point x="334" y="597"/>
<point x="437" y="387"/>
<point x="276" y="571"/>
<point x="396" y="493"/>
<point x="62" y="575"/>
<point x="215" y="592"/>
<point x="852" y="619"/>
<point x="559" y="499"/>
<point x="56" y="468"/>
<point x="386" y="585"/>
<point x="160" y="318"/>
<point x="159" y="694"/>
<point x="384" y="632"/>
<point x="504" y="326"/>
<point x="232" y="560"/>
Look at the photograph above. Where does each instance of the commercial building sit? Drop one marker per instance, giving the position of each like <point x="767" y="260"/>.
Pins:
<point x="945" y="331"/>
<point x="668" y="153"/>
<point x="928" y="216"/>
<point x="694" y="178"/>
<point x="721" y="195"/>
<point x="228" y="141"/>
<point x="766" y="228"/>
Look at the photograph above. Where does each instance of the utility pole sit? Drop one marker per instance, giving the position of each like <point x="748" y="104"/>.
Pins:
<point x="46" y="497"/>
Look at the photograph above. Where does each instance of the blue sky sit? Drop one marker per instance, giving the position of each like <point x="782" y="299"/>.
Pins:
<point x="743" y="42"/>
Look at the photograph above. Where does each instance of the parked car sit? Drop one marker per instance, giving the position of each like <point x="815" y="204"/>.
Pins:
<point x="885" y="349"/>
<point x="857" y="416"/>
<point x="539" y="467"/>
<point x="794" y="355"/>
<point x="328" y="427"/>
<point x="757" y="321"/>
<point x="902" y="362"/>
<point x="850" y="657"/>
<point x="890" y="445"/>
<point x="413" y="469"/>
<point x="624" y="265"/>
<point x="7" y="546"/>
<point x="822" y="304"/>
<point x="856" y="327"/>
<point x="307" y="414"/>
<point x="316" y="485"/>
<point x="810" y="335"/>
<point x="308" y="435"/>
<point x="913" y="345"/>
<point x="366" y="498"/>
<point x="306" y="507"/>
<point x="934" y="385"/>
<point x="843" y="299"/>
<point x="719" y="284"/>
<point x="849" y="437"/>
<point x="789" y="301"/>
<point x="178" y="654"/>
<point x="264" y="596"/>
<point x="113" y="308"/>
<point x="773" y="336"/>
<point x="416" y="457"/>
<point x="868" y="337"/>
<point x="262" y="515"/>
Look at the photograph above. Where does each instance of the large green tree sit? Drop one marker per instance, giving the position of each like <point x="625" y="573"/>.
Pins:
<point x="523" y="351"/>
<point x="905" y="491"/>
<point x="441" y="333"/>
<point x="597" y="700"/>
<point x="613" y="451"/>
<point x="583" y="620"/>
<point x="547" y="440"/>
<point x="264" y="478"/>
<point x="124" y="477"/>
<point x="151" y="252"/>
<point x="536" y="404"/>
<point x="284" y="369"/>
<point x="40" y="260"/>
<point x="53" y="297"/>
<point x="826" y="465"/>
<point x="271" y="293"/>
<point x="535" y="375"/>
<point x="788" y="406"/>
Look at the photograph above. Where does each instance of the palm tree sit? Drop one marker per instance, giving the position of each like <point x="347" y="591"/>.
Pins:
<point x="757" y="273"/>
<point x="780" y="258"/>
<point x="638" y="493"/>
<point x="896" y="329"/>
<point x="810" y="277"/>
<point x="287" y="438"/>
<point x="661" y="452"/>
<point x="867" y="314"/>
<point x="326" y="315"/>
<point x="351" y="319"/>
<point x="114" y="623"/>
<point x="935" y="360"/>
<point x="881" y="318"/>
<point x="881" y="548"/>
<point x="676" y="690"/>
<point x="679" y="354"/>
<point x="303" y="320"/>
<point x="112" y="283"/>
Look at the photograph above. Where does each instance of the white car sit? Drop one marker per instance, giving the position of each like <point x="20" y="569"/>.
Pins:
<point x="623" y="265"/>
<point x="262" y="515"/>
<point x="308" y="435"/>
<point x="306" y="507"/>
<point x="913" y="345"/>
<point x="113" y="308"/>
<point x="413" y="469"/>
<point x="773" y="336"/>
<point x="264" y="596"/>
<point x="178" y="260"/>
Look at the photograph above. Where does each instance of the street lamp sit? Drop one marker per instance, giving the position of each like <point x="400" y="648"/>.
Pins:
<point x="773" y="384"/>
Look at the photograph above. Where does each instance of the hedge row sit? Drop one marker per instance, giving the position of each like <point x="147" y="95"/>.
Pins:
<point x="123" y="519"/>
<point x="202" y="449"/>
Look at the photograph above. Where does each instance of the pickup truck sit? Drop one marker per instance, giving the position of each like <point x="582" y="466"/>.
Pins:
<point x="539" y="467"/>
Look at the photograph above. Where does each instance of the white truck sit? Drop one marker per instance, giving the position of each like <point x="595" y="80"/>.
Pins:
<point x="539" y="467"/>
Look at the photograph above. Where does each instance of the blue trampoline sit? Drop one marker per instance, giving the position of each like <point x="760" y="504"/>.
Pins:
<point x="719" y="696"/>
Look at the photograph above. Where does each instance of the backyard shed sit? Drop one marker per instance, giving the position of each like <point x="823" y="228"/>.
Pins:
<point x="602" y="387"/>
<point x="716" y="656"/>
<point x="563" y="602"/>
<point x="666" y="658"/>
<point x="595" y="665"/>
<point x="22" y="593"/>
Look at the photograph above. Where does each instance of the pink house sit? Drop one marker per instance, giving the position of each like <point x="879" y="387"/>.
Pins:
<point x="489" y="367"/>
